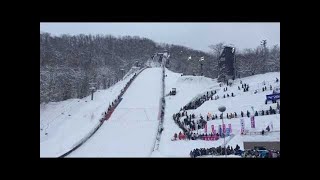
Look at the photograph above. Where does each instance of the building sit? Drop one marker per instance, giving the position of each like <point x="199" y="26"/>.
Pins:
<point x="266" y="144"/>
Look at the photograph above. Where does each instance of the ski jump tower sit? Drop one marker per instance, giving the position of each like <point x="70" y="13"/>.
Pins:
<point x="226" y="64"/>
<point x="159" y="59"/>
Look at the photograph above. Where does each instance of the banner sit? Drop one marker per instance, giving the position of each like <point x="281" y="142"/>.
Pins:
<point x="273" y="96"/>
<point x="242" y="125"/>
<point x="252" y="122"/>
<point x="230" y="128"/>
<point x="224" y="128"/>
<point x="227" y="132"/>
<point x="212" y="127"/>
<point x="205" y="128"/>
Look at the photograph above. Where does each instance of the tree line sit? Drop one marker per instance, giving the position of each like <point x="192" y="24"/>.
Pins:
<point x="69" y="63"/>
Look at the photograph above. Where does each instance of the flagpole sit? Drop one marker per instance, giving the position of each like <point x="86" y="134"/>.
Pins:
<point x="222" y="109"/>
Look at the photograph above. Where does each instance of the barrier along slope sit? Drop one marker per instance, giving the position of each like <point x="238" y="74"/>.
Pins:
<point x="162" y="104"/>
<point x="105" y="118"/>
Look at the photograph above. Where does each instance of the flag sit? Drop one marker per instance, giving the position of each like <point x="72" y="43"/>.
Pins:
<point x="252" y="122"/>
<point x="205" y="128"/>
<point x="212" y="127"/>
<point x="224" y="128"/>
<point x="242" y="125"/>
<point x="227" y="132"/>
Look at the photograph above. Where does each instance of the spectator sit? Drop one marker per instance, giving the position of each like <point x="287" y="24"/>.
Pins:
<point x="262" y="132"/>
<point x="232" y="94"/>
<point x="256" y="114"/>
<point x="227" y="95"/>
<point x="180" y="135"/>
<point x="241" y="114"/>
<point x="235" y="114"/>
<point x="224" y="96"/>
<point x="248" y="113"/>
<point x="268" y="129"/>
<point x="175" y="136"/>
<point x="238" y="88"/>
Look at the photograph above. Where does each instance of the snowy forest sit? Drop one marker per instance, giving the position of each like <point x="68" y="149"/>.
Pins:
<point x="69" y="63"/>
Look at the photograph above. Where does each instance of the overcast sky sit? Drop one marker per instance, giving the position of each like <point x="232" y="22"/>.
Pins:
<point x="194" y="35"/>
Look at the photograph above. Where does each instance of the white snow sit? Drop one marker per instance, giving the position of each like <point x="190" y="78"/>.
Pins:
<point x="64" y="131"/>
<point x="191" y="86"/>
<point x="132" y="128"/>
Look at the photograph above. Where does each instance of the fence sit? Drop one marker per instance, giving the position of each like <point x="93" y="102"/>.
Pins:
<point x="161" y="110"/>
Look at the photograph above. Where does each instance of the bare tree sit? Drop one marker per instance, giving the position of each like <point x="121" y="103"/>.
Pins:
<point x="217" y="49"/>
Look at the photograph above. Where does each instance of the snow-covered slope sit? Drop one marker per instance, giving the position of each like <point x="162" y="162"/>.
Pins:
<point x="132" y="128"/>
<point x="189" y="87"/>
<point x="64" y="131"/>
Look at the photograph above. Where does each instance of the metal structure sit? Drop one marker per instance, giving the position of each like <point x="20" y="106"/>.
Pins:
<point x="222" y="109"/>
<point x="92" y="88"/>
<point x="201" y="64"/>
<point x="174" y="91"/>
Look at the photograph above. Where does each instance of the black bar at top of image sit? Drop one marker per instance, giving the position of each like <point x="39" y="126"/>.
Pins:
<point x="160" y="19"/>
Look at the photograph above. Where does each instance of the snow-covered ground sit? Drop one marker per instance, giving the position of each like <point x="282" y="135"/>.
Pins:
<point x="132" y="128"/>
<point x="189" y="87"/>
<point x="64" y="131"/>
